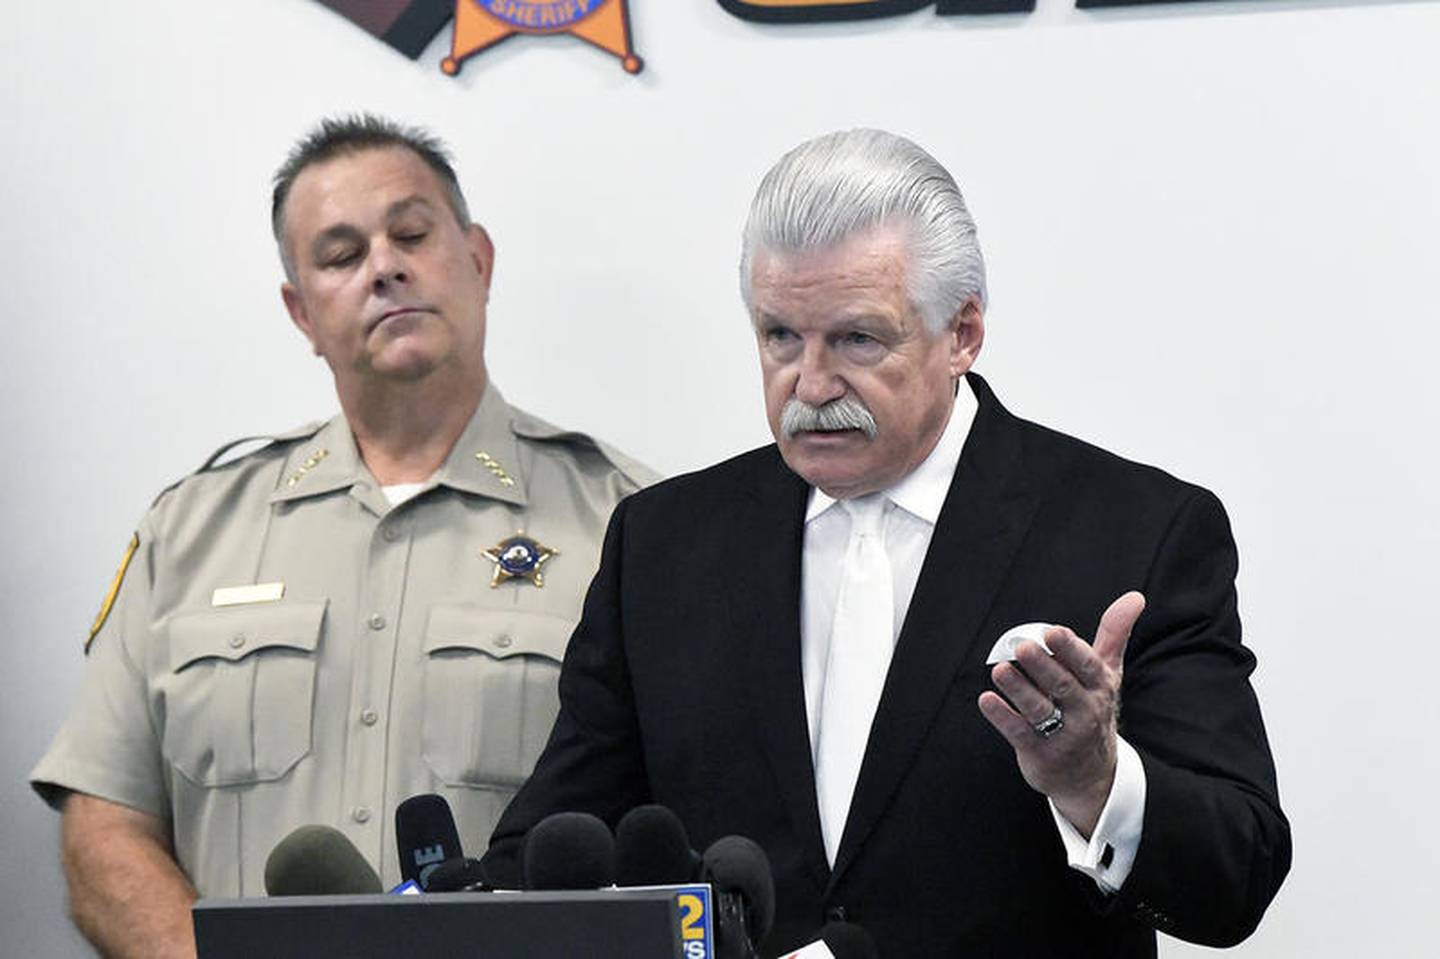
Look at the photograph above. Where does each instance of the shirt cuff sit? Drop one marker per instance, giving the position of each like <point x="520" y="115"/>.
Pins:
<point x="1110" y="852"/>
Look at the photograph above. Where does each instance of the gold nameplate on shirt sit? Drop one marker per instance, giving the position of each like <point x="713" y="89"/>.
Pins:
<point x="240" y="595"/>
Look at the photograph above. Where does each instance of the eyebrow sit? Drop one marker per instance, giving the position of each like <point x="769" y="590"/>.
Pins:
<point x="342" y="232"/>
<point x="861" y="318"/>
<point x="401" y="207"/>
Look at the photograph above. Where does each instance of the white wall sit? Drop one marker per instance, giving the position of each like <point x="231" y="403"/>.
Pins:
<point x="1207" y="227"/>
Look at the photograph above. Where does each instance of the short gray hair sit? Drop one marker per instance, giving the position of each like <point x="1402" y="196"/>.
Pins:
<point x="342" y="135"/>
<point x="840" y="184"/>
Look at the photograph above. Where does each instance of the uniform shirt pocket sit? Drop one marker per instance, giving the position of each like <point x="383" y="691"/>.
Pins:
<point x="239" y="692"/>
<point x="491" y="692"/>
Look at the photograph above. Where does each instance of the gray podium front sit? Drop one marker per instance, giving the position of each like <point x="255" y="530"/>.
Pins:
<point x="607" y="924"/>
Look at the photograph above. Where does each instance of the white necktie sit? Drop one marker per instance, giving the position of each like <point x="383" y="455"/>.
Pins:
<point x="861" y="643"/>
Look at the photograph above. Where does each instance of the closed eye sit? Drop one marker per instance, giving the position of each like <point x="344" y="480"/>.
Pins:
<point x="340" y="258"/>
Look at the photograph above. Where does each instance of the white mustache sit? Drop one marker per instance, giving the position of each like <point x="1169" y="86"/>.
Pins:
<point x="842" y="414"/>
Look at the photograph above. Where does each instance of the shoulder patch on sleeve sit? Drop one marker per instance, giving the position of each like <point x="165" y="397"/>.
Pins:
<point x="534" y="428"/>
<point x="114" y="590"/>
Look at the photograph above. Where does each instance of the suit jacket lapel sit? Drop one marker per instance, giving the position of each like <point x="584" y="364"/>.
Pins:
<point x="987" y="512"/>
<point x="768" y="535"/>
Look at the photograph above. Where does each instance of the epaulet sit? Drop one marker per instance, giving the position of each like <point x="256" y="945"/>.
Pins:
<point x="264" y="439"/>
<point x="533" y="427"/>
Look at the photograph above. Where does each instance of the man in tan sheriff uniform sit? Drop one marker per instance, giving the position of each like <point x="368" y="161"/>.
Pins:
<point x="355" y="613"/>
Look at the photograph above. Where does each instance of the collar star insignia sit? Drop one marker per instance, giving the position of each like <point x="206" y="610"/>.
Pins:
<point x="518" y="557"/>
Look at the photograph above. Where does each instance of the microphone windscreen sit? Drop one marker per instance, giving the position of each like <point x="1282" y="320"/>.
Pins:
<point x="318" y="861"/>
<point x="456" y="875"/>
<point x="848" y="941"/>
<point x="653" y="849"/>
<point x="569" y="850"/>
<point x="739" y="865"/>
<point x="425" y="835"/>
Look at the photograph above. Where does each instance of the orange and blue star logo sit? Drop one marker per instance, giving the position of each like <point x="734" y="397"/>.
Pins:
<point x="409" y="25"/>
<point x="480" y="24"/>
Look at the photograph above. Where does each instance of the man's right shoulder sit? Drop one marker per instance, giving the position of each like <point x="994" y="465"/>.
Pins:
<point x="247" y="464"/>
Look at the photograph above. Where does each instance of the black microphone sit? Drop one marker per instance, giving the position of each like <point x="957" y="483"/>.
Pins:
<point x="426" y="836"/>
<point x="318" y="861"/>
<point x="653" y="849"/>
<point x="739" y="871"/>
<point x="569" y="850"/>
<point x="456" y="875"/>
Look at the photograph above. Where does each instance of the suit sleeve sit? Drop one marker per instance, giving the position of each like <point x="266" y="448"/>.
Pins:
<point x="1215" y="845"/>
<point x="592" y="761"/>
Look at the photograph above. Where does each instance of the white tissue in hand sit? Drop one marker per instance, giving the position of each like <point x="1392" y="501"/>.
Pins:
<point x="1004" y="649"/>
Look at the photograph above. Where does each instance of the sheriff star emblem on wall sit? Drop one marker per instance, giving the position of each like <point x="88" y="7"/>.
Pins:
<point x="409" y="25"/>
<point x="480" y="24"/>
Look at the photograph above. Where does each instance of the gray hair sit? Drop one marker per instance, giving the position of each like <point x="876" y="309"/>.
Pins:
<point x="342" y="135"/>
<point x="840" y="184"/>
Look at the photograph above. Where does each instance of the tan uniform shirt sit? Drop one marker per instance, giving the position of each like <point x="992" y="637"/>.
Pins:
<point x="389" y="667"/>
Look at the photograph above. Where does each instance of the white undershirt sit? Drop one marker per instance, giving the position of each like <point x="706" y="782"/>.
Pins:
<point x="398" y="493"/>
<point x="911" y="510"/>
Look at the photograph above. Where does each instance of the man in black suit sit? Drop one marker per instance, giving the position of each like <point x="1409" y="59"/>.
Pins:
<point x="793" y="645"/>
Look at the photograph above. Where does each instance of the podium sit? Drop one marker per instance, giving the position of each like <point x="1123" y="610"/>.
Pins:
<point x="605" y="924"/>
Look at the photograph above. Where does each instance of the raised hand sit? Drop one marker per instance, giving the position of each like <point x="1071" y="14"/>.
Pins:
<point x="1062" y="724"/>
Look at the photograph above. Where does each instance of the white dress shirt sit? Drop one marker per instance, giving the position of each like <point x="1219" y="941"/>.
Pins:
<point x="911" y="511"/>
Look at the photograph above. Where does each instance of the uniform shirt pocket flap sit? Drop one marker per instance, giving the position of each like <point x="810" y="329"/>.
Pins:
<point x="236" y="632"/>
<point x="497" y="634"/>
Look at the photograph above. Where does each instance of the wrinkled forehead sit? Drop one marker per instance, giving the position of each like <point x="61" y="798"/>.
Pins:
<point x="873" y="262"/>
<point x="359" y="184"/>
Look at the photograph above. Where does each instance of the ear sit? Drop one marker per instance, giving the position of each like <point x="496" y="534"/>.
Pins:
<point x="482" y="252"/>
<point x="967" y="335"/>
<point x="295" y="306"/>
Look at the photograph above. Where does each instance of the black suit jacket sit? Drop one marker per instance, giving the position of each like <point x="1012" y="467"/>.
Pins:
<point x="682" y="686"/>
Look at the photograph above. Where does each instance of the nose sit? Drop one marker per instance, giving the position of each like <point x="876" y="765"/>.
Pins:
<point x="387" y="267"/>
<point x="817" y="382"/>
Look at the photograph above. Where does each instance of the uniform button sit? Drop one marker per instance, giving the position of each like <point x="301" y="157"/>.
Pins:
<point x="503" y="641"/>
<point x="837" y="914"/>
<point x="369" y="717"/>
<point x="237" y="640"/>
<point x="377" y="621"/>
<point x="390" y="534"/>
<point x="360" y="814"/>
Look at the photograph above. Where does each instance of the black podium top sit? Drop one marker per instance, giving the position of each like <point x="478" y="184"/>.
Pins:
<point x="609" y="924"/>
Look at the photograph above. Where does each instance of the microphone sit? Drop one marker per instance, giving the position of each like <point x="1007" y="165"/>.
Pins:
<point x="318" y="861"/>
<point x="569" y="850"/>
<point x="456" y="875"/>
<point x="426" y="836"/>
<point x="838" y="940"/>
<point x="653" y="849"/>
<point x="739" y="871"/>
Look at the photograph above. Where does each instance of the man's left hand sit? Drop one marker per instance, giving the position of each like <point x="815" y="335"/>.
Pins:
<point x="1075" y="765"/>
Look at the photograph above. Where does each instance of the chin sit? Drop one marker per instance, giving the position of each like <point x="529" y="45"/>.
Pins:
<point x="821" y="471"/>
<point x="411" y="372"/>
<point x="407" y="364"/>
